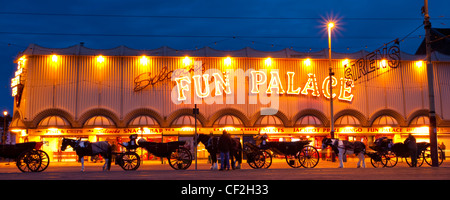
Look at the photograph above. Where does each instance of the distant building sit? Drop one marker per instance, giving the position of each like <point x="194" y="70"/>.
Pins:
<point x="440" y="38"/>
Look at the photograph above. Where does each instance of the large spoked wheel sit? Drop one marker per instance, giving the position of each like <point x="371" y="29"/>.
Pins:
<point x="420" y="160"/>
<point x="257" y="160"/>
<point x="28" y="161"/>
<point x="376" y="160"/>
<point x="308" y="157"/>
<point x="293" y="160"/>
<point x="389" y="159"/>
<point x="45" y="160"/>
<point x="427" y="155"/>
<point x="180" y="159"/>
<point x="267" y="159"/>
<point x="130" y="161"/>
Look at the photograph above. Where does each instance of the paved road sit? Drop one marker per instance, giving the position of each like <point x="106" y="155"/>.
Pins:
<point x="279" y="170"/>
<point x="279" y="181"/>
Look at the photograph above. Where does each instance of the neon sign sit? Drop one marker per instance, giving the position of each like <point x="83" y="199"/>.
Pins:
<point x="211" y="83"/>
<point x="16" y="82"/>
<point x="146" y="79"/>
<point x="258" y="80"/>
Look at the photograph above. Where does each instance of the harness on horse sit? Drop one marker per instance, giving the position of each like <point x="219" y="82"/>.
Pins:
<point x="347" y="145"/>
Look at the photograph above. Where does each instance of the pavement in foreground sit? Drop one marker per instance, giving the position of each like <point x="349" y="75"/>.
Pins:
<point x="154" y="170"/>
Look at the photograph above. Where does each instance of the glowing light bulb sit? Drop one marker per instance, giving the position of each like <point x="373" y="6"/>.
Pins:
<point x="54" y="58"/>
<point x="100" y="59"/>
<point x="227" y="61"/>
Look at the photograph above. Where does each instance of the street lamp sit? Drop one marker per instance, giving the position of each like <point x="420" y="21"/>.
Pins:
<point x="4" y="127"/>
<point x="330" y="25"/>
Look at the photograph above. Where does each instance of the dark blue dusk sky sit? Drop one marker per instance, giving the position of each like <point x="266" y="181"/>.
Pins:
<point x="224" y="25"/>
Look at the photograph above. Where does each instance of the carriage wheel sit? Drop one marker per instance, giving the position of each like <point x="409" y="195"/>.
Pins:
<point x="258" y="160"/>
<point x="45" y="160"/>
<point x="28" y="161"/>
<point x="251" y="160"/>
<point x="427" y="155"/>
<point x="420" y="160"/>
<point x="180" y="159"/>
<point x="21" y="162"/>
<point x="293" y="160"/>
<point x="267" y="159"/>
<point x="376" y="163"/>
<point x="308" y="157"/>
<point x="130" y="161"/>
<point x="34" y="161"/>
<point x="389" y="159"/>
<point x="252" y="164"/>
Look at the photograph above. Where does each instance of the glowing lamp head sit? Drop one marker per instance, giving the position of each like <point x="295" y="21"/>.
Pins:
<point x="345" y="62"/>
<point x="383" y="63"/>
<point x="268" y="61"/>
<point x="419" y="64"/>
<point x="307" y="62"/>
<point x="100" y="59"/>
<point x="5" y="113"/>
<point x="187" y="60"/>
<point x="144" y="60"/>
<point x="54" y="58"/>
<point x="330" y="25"/>
<point x="227" y="61"/>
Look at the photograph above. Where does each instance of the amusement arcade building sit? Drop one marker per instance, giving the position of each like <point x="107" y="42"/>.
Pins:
<point x="109" y="94"/>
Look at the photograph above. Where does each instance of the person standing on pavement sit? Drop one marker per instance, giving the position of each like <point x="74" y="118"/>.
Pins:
<point x="410" y="142"/>
<point x="442" y="146"/>
<point x="224" y="149"/>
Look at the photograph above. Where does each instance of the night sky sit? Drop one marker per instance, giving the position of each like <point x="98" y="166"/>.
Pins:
<point x="224" y="25"/>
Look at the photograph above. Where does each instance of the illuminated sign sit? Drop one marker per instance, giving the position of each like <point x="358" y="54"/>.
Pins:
<point x="145" y="79"/>
<point x="16" y="82"/>
<point x="386" y="56"/>
<point x="264" y="85"/>
<point x="259" y="79"/>
<point x="237" y="130"/>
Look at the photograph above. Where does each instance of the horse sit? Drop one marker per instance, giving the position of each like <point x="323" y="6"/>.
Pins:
<point x="341" y="147"/>
<point x="211" y="144"/>
<point x="85" y="148"/>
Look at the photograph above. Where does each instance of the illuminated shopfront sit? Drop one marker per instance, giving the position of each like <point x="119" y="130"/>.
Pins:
<point x="100" y="95"/>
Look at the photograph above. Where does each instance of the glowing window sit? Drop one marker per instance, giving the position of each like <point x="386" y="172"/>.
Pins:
<point x="269" y="120"/>
<point x="53" y="121"/>
<point x="99" y="121"/>
<point x="308" y="120"/>
<point x="347" y="120"/>
<point x="143" y="121"/>
<point x="385" y="120"/>
<point x="228" y="120"/>
<point x="420" y="121"/>
<point x="185" y="120"/>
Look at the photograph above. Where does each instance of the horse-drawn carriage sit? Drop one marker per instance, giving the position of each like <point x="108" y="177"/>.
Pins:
<point x="297" y="154"/>
<point x="178" y="156"/>
<point x="27" y="156"/>
<point x="386" y="153"/>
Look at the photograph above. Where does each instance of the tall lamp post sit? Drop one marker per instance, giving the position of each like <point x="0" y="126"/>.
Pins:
<point x="430" y="74"/>
<point x="330" y="26"/>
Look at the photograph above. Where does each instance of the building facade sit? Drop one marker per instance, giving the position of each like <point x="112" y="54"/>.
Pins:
<point x="109" y="94"/>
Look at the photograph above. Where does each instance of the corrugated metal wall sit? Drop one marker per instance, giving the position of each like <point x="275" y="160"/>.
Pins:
<point x="78" y="84"/>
